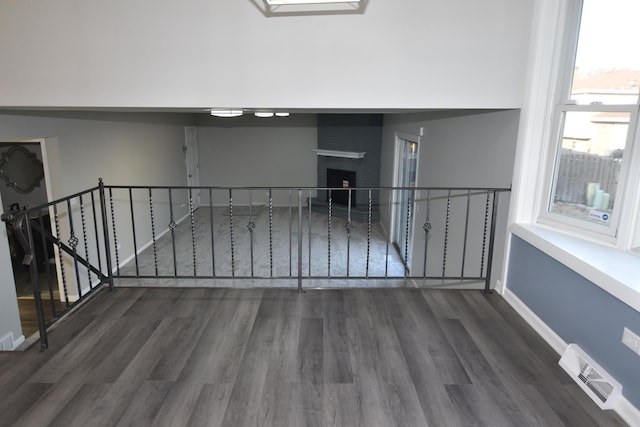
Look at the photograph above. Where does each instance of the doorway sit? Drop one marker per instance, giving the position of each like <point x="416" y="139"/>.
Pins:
<point x="406" y="171"/>
<point x="23" y="185"/>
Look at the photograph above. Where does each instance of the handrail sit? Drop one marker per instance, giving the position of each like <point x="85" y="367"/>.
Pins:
<point x="97" y="227"/>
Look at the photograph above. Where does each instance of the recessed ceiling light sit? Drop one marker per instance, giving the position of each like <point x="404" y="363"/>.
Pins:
<point x="225" y="112"/>
<point x="282" y="114"/>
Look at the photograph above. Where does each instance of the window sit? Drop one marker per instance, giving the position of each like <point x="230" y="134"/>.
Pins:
<point x="594" y="185"/>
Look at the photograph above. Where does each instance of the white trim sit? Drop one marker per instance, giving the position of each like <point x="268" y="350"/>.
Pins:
<point x="629" y="413"/>
<point x="146" y="245"/>
<point x="547" y="334"/>
<point x="343" y="154"/>
<point x="18" y="342"/>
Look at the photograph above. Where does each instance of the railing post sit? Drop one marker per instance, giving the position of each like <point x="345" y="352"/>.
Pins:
<point x="105" y="231"/>
<point x="492" y="234"/>
<point x="300" y="241"/>
<point x="23" y="219"/>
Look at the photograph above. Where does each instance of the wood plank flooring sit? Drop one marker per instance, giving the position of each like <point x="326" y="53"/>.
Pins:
<point x="272" y="357"/>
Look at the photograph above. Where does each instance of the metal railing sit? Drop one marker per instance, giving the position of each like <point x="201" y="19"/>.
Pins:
<point x="66" y="246"/>
<point x="299" y="234"/>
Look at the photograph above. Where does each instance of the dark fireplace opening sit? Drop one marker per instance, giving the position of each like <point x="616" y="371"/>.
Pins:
<point x="337" y="178"/>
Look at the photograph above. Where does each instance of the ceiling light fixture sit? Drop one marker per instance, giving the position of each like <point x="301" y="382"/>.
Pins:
<point x="282" y="114"/>
<point x="226" y="112"/>
<point x="263" y="113"/>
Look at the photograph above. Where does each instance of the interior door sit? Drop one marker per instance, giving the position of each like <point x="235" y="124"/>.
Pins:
<point x="191" y="159"/>
<point x="406" y="173"/>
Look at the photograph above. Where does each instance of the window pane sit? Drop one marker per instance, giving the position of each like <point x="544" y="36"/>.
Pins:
<point x="607" y="68"/>
<point x="588" y="168"/>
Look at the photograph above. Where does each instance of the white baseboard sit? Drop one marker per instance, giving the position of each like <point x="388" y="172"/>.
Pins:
<point x="9" y="343"/>
<point x="547" y="334"/>
<point x="629" y="413"/>
<point x="146" y="245"/>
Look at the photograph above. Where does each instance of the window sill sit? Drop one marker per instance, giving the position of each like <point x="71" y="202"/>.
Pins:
<point x="615" y="271"/>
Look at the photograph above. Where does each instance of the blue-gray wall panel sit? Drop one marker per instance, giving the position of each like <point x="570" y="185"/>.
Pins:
<point x="578" y="311"/>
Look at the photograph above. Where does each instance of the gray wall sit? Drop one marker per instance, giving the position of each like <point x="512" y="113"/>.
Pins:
<point x="578" y="311"/>
<point x="251" y="152"/>
<point x="459" y="149"/>
<point x="132" y="149"/>
<point x="9" y="318"/>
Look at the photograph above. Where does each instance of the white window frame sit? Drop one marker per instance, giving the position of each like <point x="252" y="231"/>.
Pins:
<point x="624" y="230"/>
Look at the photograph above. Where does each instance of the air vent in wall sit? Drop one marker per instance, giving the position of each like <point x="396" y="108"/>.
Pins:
<point x="594" y="380"/>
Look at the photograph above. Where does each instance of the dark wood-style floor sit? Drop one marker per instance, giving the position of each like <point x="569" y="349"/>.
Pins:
<point x="234" y="357"/>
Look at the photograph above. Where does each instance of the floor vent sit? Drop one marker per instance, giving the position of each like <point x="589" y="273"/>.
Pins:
<point x="594" y="380"/>
<point x="6" y="343"/>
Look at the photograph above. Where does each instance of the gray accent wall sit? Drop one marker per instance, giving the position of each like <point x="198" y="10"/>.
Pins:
<point x="578" y="311"/>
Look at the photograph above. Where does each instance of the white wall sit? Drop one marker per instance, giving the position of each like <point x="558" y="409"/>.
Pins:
<point x="9" y="317"/>
<point x="473" y="149"/>
<point x="203" y="53"/>
<point x="251" y="152"/>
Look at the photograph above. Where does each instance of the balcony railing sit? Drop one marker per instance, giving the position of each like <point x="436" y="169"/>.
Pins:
<point x="256" y="236"/>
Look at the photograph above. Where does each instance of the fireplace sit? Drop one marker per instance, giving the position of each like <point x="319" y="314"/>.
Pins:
<point x="338" y="178"/>
<point x="349" y="154"/>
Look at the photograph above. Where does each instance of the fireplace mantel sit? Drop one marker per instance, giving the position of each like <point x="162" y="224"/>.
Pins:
<point x="343" y="154"/>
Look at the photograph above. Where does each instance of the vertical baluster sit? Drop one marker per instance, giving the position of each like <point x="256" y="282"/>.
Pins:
<point x="484" y="233"/>
<point x="290" y="233"/>
<point x="213" y="246"/>
<point x="153" y="232"/>
<point x="368" y="233"/>
<point x="446" y="234"/>
<point x="37" y="295"/>
<point x="95" y="230"/>
<point x="115" y="234"/>
<point x="105" y="234"/>
<point x="73" y="243"/>
<point x="172" y="227"/>
<point x="329" y="238"/>
<point x="427" y="228"/>
<point x="84" y="237"/>
<point x="251" y="226"/>
<point x="133" y="230"/>
<point x="60" y="255"/>
<point x="492" y="235"/>
<point x="193" y="233"/>
<point x="309" y="238"/>
<point x="406" y="235"/>
<point x="47" y="267"/>
<point x="347" y="227"/>
<point x="386" y="256"/>
<point x="233" y="264"/>
<point x="466" y="229"/>
<point x="300" y="241"/>
<point x="271" y="237"/>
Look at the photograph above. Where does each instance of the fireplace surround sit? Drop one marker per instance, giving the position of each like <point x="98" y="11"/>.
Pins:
<point x="350" y="143"/>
